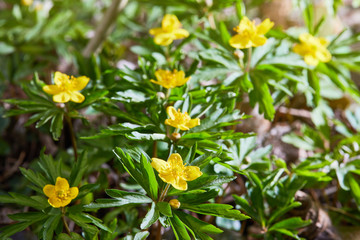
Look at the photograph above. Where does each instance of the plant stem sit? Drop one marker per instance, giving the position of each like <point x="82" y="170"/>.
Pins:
<point x="248" y="60"/>
<point x="155" y="149"/>
<point x="64" y="221"/>
<point x="72" y="134"/>
<point x="158" y="231"/>
<point x="164" y="192"/>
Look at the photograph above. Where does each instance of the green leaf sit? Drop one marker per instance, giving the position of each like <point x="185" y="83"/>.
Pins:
<point x="179" y="229"/>
<point x="28" y="216"/>
<point x="141" y="235"/>
<point x="281" y="211"/>
<point x="121" y="198"/>
<point x="149" y="176"/>
<point x="164" y="208"/>
<point x="214" y="209"/>
<point x="292" y="223"/>
<point x="133" y="168"/>
<point x="246" y="207"/>
<point x="49" y="226"/>
<point x="200" y="228"/>
<point x="10" y="230"/>
<point x="261" y="94"/>
<point x="354" y="188"/>
<point x="78" y="170"/>
<point x="23" y="200"/>
<point x="151" y="217"/>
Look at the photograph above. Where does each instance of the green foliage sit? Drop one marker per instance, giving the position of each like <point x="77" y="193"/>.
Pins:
<point x="106" y="143"/>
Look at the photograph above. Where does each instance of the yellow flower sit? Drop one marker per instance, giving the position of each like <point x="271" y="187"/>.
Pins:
<point x="26" y="2"/>
<point x="313" y="49"/>
<point x="174" y="172"/>
<point x="174" y="203"/>
<point x="170" y="30"/>
<point x="66" y="88"/>
<point x="169" y="79"/>
<point x="61" y="194"/>
<point x="250" y="35"/>
<point x="180" y="120"/>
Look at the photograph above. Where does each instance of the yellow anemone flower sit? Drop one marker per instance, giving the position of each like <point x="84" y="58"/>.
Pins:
<point x="170" y="30"/>
<point x="174" y="171"/>
<point x="250" y="35"/>
<point x="180" y="120"/>
<point x="169" y="79"/>
<point x="313" y="49"/>
<point x="61" y="194"/>
<point x="67" y="88"/>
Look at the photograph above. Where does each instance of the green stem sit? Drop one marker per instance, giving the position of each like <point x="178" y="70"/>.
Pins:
<point x="72" y="133"/>
<point x="248" y="60"/>
<point x="64" y="221"/>
<point x="164" y="193"/>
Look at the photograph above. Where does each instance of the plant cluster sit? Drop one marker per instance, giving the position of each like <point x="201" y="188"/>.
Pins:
<point x="171" y="136"/>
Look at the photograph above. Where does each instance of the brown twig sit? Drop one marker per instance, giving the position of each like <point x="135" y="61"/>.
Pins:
<point x="8" y="172"/>
<point x="105" y="24"/>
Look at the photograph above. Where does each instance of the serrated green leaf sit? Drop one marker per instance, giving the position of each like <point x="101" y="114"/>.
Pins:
<point x="214" y="209"/>
<point x="151" y="217"/>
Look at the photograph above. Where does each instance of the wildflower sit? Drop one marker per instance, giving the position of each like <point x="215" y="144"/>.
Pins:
<point x="26" y="2"/>
<point x="313" y="49"/>
<point x="170" y="30"/>
<point x="61" y="194"/>
<point x="180" y="120"/>
<point x="66" y="88"/>
<point x="174" y="172"/>
<point x="169" y="79"/>
<point x="174" y="203"/>
<point x="250" y="35"/>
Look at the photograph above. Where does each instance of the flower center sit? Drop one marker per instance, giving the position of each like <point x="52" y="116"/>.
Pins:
<point x="62" y="194"/>
<point x="182" y="117"/>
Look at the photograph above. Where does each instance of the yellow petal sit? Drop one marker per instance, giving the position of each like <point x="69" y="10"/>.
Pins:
<point x="175" y="161"/>
<point x="65" y="202"/>
<point x="60" y="78"/>
<point x="306" y="37"/>
<point x="164" y="39"/>
<point x="167" y="177"/>
<point x="323" y="55"/>
<point x="183" y="127"/>
<point x="76" y="97"/>
<point x="79" y="83"/>
<point x="324" y="42"/>
<point x="159" y="164"/>
<point x="264" y="27"/>
<point x="170" y="22"/>
<point x="51" y="89"/>
<point x="62" y="97"/>
<point x="259" y="41"/>
<point x="156" y="31"/>
<point x="180" y="33"/>
<point x="300" y="49"/>
<point x="180" y="78"/>
<point x="245" y="23"/>
<point x="240" y="42"/>
<point x="49" y="190"/>
<point x="61" y="184"/>
<point x="171" y="111"/>
<point x="192" y="173"/>
<point x="193" y="123"/>
<point x="310" y="60"/>
<point x="180" y="184"/>
<point x="55" y="202"/>
<point x="74" y="191"/>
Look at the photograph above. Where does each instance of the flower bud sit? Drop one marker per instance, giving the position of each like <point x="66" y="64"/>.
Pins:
<point x="239" y="54"/>
<point x="174" y="203"/>
<point x="175" y="136"/>
<point x="160" y="95"/>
